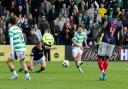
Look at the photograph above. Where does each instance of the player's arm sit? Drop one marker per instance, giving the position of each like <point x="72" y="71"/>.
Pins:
<point x="85" y="42"/>
<point x="31" y="63"/>
<point x="11" y="41"/>
<point x="120" y="39"/>
<point x="101" y="31"/>
<point x="50" y="47"/>
<point x="75" y="43"/>
<point x="31" y="58"/>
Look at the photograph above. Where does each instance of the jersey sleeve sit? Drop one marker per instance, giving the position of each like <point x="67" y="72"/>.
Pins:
<point x="75" y="37"/>
<point x="10" y="33"/>
<point x="43" y="46"/>
<point x="32" y="52"/>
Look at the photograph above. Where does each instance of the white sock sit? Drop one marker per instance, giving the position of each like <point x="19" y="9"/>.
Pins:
<point x="14" y="73"/>
<point x="27" y="75"/>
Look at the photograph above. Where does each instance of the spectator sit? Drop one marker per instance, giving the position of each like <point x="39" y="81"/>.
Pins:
<point x="95" y="30"/>
<point x="2" y="36"/>
<point x="118" y="10"/>
<point x="83" y="8"/>
<point x="91" y="10"/>
<point x="43" y="24"/>
<point x="67" y="36"/>
<point x="60" y="20"/>
<point x="113" y="4"/>
<point x="64" y="10"/>
<point x="52" y="14"/>
<point x="26" y="8"/>
<point x="110" y="12"/>
<point x="30" y="20"/>
<point x="35" y="5"/>
<point x="1" y="9"/>
<point x="97" y="17"/>
<point x="125" y="31"/>
<point x="71" y="7"/>
<point x="45" y="7"/>
<point x="79" y="19"/>
<point x="84" y="12"/>
<point x="37" y="32"/>
<point x="55" y="30"/>
<point x="59" y="4"/>
<point x="102" y="10"/>
<point x="32" y="38"/>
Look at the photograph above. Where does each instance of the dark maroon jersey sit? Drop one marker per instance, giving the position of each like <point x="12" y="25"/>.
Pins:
<point x="114" y="26"/>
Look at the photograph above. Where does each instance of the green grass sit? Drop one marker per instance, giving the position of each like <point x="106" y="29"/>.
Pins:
<point x="57" y="77"/>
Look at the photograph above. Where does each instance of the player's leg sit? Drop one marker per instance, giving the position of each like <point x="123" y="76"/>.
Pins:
<point x="21" y="56"/>
<point x="77" y="57"/>
<point x="109" y="52"/>
<point x="42" y="62"/>
<point x="11" y="66"/>
<point x="101" y="54"/>
<point x="79" y="62"/>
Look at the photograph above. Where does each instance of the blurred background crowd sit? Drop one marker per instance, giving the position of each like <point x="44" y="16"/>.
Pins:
<point x="60" y="18"/>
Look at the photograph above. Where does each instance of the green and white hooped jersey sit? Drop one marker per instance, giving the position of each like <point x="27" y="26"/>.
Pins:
<point x="18" y="38"/>
<point x="79" y="38"/>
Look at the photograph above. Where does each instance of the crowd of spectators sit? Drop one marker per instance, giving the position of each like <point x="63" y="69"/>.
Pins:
<point x="60" y="18"/>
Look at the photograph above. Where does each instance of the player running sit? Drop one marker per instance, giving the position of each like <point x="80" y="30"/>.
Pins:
<point x="17" y="49"/>
<point x="37" y="57"/>
<point x="77" y="46"/>
<point x="112" y="34"/>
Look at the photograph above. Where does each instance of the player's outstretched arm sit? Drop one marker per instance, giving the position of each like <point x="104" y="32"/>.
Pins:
<point x="50" y="48"/>
<point x="31" y="63"/>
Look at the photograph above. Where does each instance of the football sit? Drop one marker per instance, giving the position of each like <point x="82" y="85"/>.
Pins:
<point x="65" y="63"/>
<point x="48" y="39"/>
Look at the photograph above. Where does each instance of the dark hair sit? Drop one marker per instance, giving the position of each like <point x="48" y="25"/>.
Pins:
<point x="79" y="26"/>
<point x="38" y="42"/>
<point x="13" y="20"/>
<point x="115" y="14"/>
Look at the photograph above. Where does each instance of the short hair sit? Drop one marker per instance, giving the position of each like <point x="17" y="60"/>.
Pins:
<point x="79" y="26"/>
<point x="38" y="42"/>
<point x="13" y="20"/>
<point x="115" y="14"/>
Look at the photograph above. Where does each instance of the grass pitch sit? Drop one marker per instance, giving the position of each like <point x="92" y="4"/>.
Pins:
<point x="58" y="77"/>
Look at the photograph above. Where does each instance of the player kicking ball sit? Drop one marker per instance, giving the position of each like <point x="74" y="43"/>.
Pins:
<point x="112" y="31"/>
<point x="37" y="57"/>
<point x="17" y="49"/>
<point x="77" y="46"/>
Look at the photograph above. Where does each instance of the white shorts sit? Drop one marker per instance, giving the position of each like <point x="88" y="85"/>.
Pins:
<point x="40" y="61"/>
<point x="17" y="55"/>
<point x="105" y="49"/>
<point x="76" y="51"/>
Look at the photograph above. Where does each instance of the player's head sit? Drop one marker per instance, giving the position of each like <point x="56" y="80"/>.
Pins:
<point x="80" y="28"/>
<point x="13" y="20"/>
<point x="38" y="44"/>
<point x="115" y="14"/>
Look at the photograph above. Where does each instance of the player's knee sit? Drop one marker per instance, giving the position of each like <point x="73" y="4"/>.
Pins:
<point x="43" y="68"/>
<point x="29" y="67"/>
<point x="101" y="57"/>
<point x="8" y="61"/>
<point x="22" y="62"/>
<point x="107" y="57"/>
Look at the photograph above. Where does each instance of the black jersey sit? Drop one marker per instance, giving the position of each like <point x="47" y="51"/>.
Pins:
<point x="37" y="53"/>
<point x="114" y="26"/>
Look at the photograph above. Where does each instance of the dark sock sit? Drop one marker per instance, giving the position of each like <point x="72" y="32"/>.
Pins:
<point x="77" y="65"/>
<point x="12" y="70"/>
<point x="42" y="69"/>
<point x="25" y="72"/>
